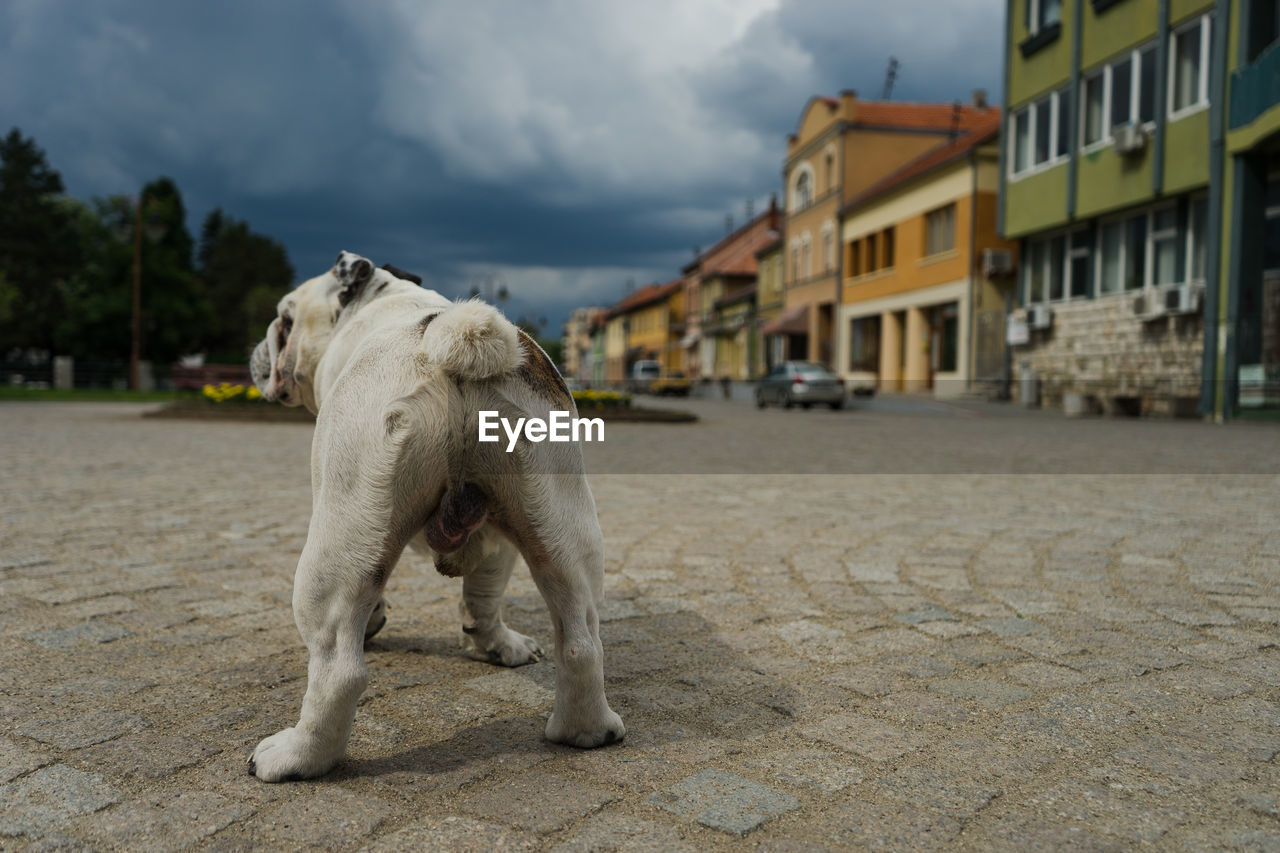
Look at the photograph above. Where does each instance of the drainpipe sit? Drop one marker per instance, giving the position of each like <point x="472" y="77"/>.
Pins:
<point x="1162" y="50"/>
<point x="971" y="355"/>
<point x="1073" y="120"/>
<point x="1213" y="361"/>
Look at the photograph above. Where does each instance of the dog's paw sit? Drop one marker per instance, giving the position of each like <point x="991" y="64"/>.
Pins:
<point x="503" y="647"/>
<point x="607" y="729"/>
<point x="290" y="755"/>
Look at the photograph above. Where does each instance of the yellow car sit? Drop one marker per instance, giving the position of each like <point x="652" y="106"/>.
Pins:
<point x="671" y="384"/>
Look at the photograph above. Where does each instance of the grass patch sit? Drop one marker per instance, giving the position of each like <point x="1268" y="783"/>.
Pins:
<point x="95" y="395"/>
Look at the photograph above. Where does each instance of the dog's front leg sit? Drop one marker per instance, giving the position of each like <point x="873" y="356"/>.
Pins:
<point x="331" y="606"/>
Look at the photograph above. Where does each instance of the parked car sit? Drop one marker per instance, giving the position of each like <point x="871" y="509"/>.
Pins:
<point x="642" y="373"/>
<point x="800" y="382"/>
<point x="674" y="383"/>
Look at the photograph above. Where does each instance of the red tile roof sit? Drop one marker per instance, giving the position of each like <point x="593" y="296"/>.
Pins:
<point x="981" y="132"/>
<point x="902" y="114"/>
<point x="646" y="295"/>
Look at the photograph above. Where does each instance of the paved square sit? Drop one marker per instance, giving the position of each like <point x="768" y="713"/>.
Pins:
<point x="956" y="626"/>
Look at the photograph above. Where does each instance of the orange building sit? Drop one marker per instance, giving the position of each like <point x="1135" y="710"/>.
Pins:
<point x="925" y="275"/>
<point x="717" y="346"/>
<point x="840" y="148"/>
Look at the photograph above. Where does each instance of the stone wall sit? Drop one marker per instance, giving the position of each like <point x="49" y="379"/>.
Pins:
<point x="1099" y="348"/>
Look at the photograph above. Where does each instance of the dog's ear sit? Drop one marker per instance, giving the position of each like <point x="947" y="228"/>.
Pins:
<point x="353" y="273"/>
<point x="399" y="273"/>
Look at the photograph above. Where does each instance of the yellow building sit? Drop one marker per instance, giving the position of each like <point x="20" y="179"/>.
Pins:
<point x="768" y="296"/>
<point x="841" y="147"/>
<point x="646" y="324"/>
<point x="925" y="274"/>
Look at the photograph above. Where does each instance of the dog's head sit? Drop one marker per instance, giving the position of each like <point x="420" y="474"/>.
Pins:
<point x="284" y="363"/>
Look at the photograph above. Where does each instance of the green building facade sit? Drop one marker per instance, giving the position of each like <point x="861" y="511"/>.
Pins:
<point x="1127" y="173"/>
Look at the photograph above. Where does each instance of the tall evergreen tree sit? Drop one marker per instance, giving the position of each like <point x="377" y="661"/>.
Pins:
<point x="37" y="249"/>
<point x="244" y="275"/>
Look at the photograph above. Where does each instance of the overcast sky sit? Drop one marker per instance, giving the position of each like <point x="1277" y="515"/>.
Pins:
<point x="565" y="146"/>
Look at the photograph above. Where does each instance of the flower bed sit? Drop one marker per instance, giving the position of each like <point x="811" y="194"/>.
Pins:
<point x="591" y="400"/>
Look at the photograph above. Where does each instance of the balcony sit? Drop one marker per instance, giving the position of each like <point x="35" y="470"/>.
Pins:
<point x="1255" y="88"/>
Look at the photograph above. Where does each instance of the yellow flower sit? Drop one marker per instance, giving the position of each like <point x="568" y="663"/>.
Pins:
<point x="254" y="393"/>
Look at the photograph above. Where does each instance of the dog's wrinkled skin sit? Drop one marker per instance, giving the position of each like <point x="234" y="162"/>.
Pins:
<point x="396" y="375"/>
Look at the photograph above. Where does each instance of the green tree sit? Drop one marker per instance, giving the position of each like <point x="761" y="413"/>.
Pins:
<point x="175" y="310"/>
<point x="36" y="246"/>
<point x="244" y="275"/>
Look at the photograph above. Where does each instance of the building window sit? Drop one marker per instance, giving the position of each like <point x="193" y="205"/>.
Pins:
<point x="1189" y="70"/>
<point x="806" y="255"/>
<point x="830" y="159"/>
<point x="855" y="257"/>
<point x="1056" y="268"/>
<point x="1198" y="218"/>
<point x="1271" y="254"/>
<point x="1121" y="92"/>
<point x="828" y="246"/>
<point x="889" y="239"/>
<point x="1164" y="246"/>
<point x="1042" y="14"/>
<point x="873" y="256"/>
<point x="1039" y="133"/>
<point x="940" y="230"/>
<point x="802" y="189"/>
<point x="795" y="261"/>
<point x="864" y="344"/>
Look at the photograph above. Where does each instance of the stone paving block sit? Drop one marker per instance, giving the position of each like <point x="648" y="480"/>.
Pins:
<point x="1196" y="617"/>
<point x="105" y="606"/>
<point x="816" y="769"/>
<point x="1037" y="674"/>
<point x="955" y="795"/>
<point x="460" y="834"/>
<point x="930" y="613"/>
<point x="1178" y="761"/>
<point x="863" y="824"/>
<point x="868" y="679"/>
<point x="82" y="730"/>
<point x="538" y="802"/>
<point x="166" y="822"/>
<point x="512" y="686"/>
<point x="617" y="832"/>
<point x="918" y="666"/>
<point x="1022" y="831"/>
<point x="865" y="736"/>
<point x="988" y="694"/>
<point x="44" y="800"/>
<point x="16" y="760"/>
<point x="921" y="709"/>
<point x="144" y="756"/>
<point x="724" y="801"/>
<point x="1137" y="820"/>
<point x="86" y="633"/>
<point x="329" y="815"/>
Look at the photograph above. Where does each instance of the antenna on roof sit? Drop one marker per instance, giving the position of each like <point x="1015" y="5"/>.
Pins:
<point x="751" y="209"/>
<point x="728" y="223"/>
<point x="955" y="119"/>
<point x="890" y="74"/>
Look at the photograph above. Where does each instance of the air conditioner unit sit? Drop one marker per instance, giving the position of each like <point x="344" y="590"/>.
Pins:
<point x="997" y="262"/>
<point x="1183" y="299"/>
<point x="1149" y="305"/>
<point x="1130" y="138"/>
<point x="1039" y="316"/>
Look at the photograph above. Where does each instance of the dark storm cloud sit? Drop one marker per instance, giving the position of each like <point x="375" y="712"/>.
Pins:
<point x="565" y="148"/>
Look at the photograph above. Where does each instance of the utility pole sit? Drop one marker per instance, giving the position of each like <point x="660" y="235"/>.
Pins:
<point x="135" y="347"/>
<point x="890" y="75"/>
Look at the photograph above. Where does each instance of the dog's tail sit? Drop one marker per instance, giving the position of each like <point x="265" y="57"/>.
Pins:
<point x="472" y="340"/>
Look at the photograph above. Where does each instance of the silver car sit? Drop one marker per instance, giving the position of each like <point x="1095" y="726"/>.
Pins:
<point x="800" y="382"/>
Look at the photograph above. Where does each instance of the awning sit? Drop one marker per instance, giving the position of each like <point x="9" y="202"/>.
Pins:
<point x="793" y="321"/>
<point x="690" y="339"/>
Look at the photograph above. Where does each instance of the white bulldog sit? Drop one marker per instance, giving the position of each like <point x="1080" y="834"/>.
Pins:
<point x="396" y="375"/>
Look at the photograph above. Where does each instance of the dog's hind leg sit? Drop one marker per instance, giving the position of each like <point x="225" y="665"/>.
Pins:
<point x="484" y="635"/>
<point x="562" y="543"/>
<point x="338" y="584"/>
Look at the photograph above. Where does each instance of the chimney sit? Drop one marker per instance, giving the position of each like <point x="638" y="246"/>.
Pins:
<point x="980" y="98"/>
<point x="847" y="99"/>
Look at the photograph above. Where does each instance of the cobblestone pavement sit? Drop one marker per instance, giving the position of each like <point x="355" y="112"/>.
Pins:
<point x="983" y="660"/>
